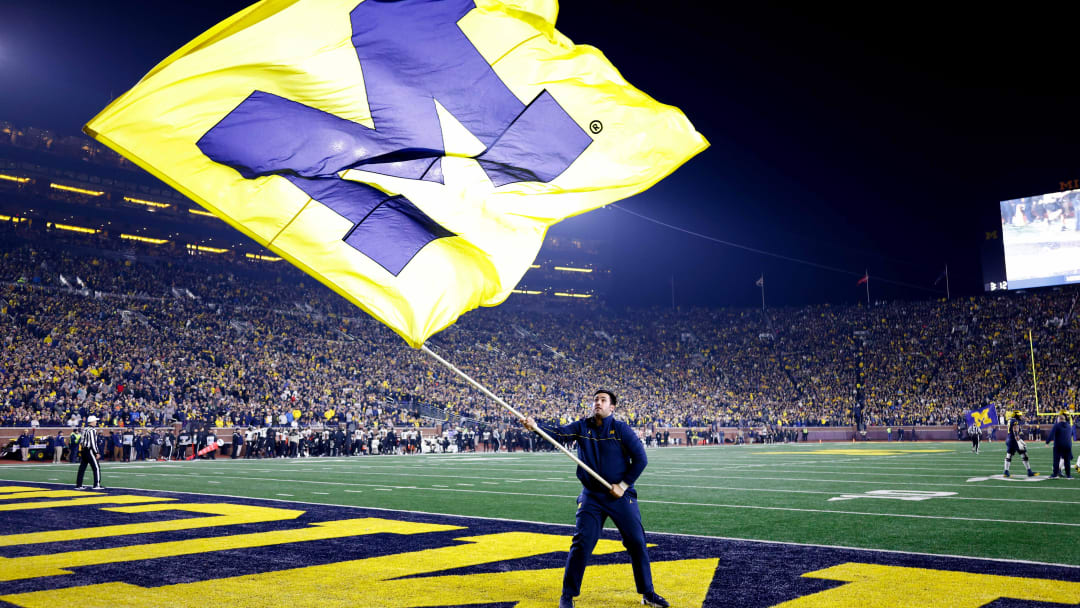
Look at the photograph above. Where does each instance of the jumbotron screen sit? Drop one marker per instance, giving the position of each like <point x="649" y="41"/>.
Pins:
<point x="1041" y="236"/>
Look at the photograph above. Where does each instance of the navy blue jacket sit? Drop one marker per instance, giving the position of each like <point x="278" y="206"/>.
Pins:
<point x="613" y="450"/>
<point x="1061" y="435"/>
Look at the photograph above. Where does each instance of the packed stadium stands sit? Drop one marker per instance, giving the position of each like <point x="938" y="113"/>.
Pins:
<point x="122" y="299"/>
<point x="144" y="339"/>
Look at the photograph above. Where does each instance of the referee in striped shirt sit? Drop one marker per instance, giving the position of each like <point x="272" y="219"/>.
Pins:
<point x="88" y="454"/>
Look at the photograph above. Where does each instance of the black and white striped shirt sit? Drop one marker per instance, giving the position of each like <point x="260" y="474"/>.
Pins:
<point x="89" y="439"/>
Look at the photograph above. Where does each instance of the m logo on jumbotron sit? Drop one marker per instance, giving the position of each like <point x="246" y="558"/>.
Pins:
<point x="270" y="135"/>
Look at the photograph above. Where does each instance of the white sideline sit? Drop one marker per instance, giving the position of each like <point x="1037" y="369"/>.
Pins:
<point x="396" y="471"/>
<point x="391" y="487"/>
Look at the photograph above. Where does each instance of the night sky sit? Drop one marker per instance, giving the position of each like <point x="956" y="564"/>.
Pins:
<point x="869" y="140"/>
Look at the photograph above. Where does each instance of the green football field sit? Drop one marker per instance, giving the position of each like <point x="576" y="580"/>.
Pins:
<point x="919" y="497"/>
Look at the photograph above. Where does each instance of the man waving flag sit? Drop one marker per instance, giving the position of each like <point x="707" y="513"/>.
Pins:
<point x="410" y="155"/>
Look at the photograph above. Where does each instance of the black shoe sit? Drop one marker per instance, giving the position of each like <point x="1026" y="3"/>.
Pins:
<point x="652" y="599"/>
<point x="566" y="602"/>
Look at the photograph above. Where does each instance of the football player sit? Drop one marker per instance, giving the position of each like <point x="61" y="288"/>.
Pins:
<point x="1014" y="443"/>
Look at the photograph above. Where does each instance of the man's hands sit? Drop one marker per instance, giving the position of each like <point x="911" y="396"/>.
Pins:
<point x="529" y="423"/>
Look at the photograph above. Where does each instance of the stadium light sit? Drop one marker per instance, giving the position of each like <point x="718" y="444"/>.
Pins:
<point x="534" y="266"/>
<point x="569" y="269"/>
<point x="264" y="258"/>
<point x="144" y="239"/>
<point x="201" y="212"/>
<point x="205" y="249"/>
<point x="563" y="294"/>
<point x="71" y="228"/>
<point x="528" y="292"/>
<point x="146" y="203"/>
<point x="8" y="218"/>
<point x="12" y="178"/>
<point x="76" y="190"/>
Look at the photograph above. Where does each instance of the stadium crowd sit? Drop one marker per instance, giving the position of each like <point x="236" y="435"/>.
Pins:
<point x="140" y="341"/>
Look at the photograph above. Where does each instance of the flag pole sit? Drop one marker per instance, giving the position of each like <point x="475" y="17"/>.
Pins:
<point x="763" y="292"/>
<point x="866" y="273"/>
<point x="1034" y="381"/>
<point x="518" y="414"/>
<point x="948" y="294"/>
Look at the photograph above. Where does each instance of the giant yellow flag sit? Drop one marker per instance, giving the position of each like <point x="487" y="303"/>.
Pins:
<point x="410" y="155"/>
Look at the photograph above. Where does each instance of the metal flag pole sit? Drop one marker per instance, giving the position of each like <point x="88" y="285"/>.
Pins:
<point x="866" y="273"/>
<point x="519" y="415"/>
<point x="948" y="294"/>
<point x="1034" y="381"/>
<point x="761" y="282"/>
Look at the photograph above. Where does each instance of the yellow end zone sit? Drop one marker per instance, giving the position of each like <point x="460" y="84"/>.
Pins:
<point x="377" y="581"/>
<point x="900" y="587"/>
<point x="419" y="577"/>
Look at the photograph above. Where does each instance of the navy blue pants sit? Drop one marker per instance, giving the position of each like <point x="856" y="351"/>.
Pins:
<point x="1060" y="453"/>
<point x="593" y="510"/>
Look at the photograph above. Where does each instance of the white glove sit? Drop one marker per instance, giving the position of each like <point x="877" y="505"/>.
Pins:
<point x="1020" y="443"/>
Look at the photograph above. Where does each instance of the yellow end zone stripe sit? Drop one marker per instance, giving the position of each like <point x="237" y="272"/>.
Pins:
<point x="78" y="502"/>
<point x="22" y="493"/>
<point x="370" y="581"/>
<point x="888" y="586"/>
<point x="226" y="515"/>
<point x="53" y="564"/>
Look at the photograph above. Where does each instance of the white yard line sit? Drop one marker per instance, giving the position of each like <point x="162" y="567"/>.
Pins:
<point x="388" y="488"/>
<point x="654" y="474"/>
<point x="732" y="454"/>
<point x="398" y="473"/>
<point x="655" y="470"/>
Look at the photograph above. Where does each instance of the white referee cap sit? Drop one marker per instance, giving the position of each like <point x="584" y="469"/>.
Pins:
<point x="91" y="419"/>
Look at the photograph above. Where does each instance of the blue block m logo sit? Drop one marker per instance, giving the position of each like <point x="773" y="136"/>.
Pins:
<point x="412" y="54"/>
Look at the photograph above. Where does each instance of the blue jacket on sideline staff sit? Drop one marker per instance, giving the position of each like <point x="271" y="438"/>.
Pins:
<point x="611" y="448"/>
